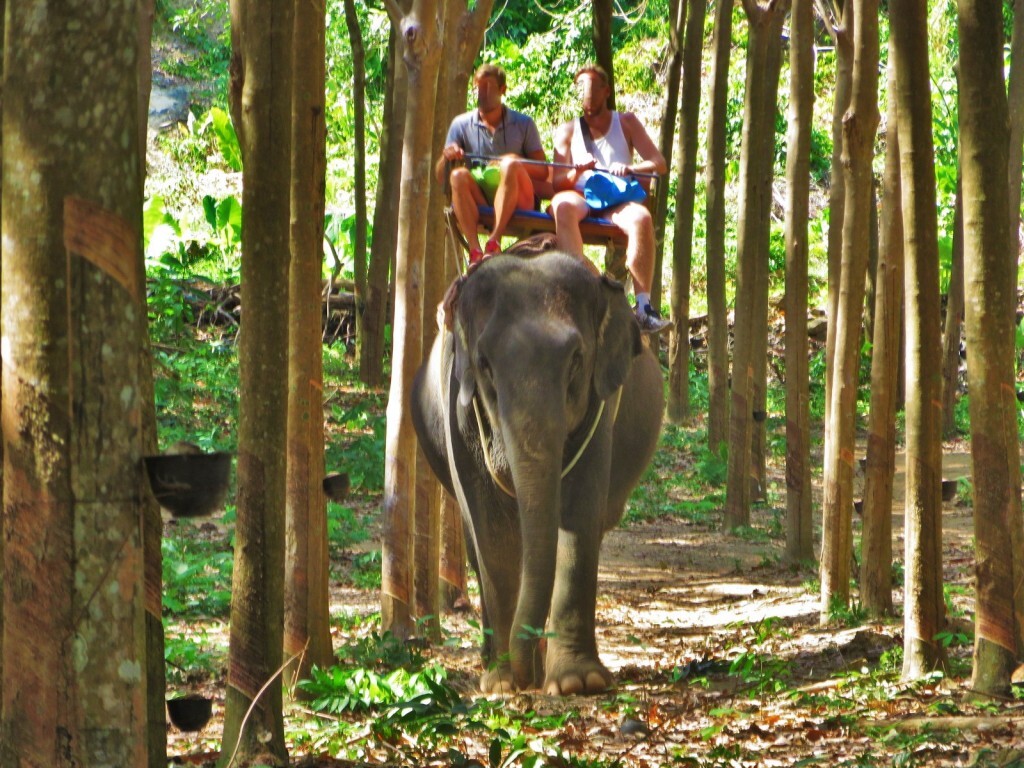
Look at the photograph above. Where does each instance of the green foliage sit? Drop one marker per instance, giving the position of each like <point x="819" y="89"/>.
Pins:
<point x="340" y="689"/>
<point x="365" y="572"/>
<point x="362" y="455"/>
<point x="205" y="26"/>
<point x="197" y="577"/>
<point x="189" y="659"/>
<point x="849" y="615"/>
<point x="227" y="139"/>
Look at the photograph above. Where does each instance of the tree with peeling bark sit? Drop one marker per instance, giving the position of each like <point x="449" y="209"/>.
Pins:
<point x="714" y="247"/>
<point x="859" y="126"/>
<point x="261" y="95"/>
<point x="679" y="339"/>
<point x="1015" y="160"/>
<point x="765" y="21"/>
<point x="923" y="610"/>
<point x="995" y="451"/>
<point x="307" y="625"/>
<point x="876" y="529"/>
<point x="72" y="431"/>
<point x="799" y="521"/>
<point x="602" y="37"/>
<point x="422" y="52"/>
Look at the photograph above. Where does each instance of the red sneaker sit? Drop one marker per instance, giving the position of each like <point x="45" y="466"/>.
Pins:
<point x="492" y="246"/>
<point x="475" y="255"/>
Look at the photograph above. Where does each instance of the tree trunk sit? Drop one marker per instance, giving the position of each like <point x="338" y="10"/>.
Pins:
<point x="262" y="84"/>
<point x="995" y="452"/>
<point x="679" y="339"/>
<point x="602" y="36"/>
<point x="759" y="353"/>
<point x="799" y="519"/>
<point x="859" y="125"/>
<point x="152" y="526"/>
<point x="923" y="612"/>
<point x="72" y="401"/>
<point x="385" y="219"/>
<point x="954" y="317"/>
<point x="307" y="625"/>
<point x="422" y="54"/>
<point x="753" y="201"/>
<point x="1015" y="164"/>
<point x="355" y="39"/>
<point x="718" y="321"/>
<point x="876" y="537"/>
<point x="842" y="36"/>
<point x="676" y="21"/>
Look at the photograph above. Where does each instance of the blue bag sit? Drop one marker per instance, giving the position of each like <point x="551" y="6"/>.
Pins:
<point x="603" y="190"/>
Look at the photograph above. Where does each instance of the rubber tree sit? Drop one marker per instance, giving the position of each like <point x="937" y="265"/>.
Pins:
<point x="307" y="625"/>
<point x="421" y="53"/>
<point x="714" y="246"/>
<point x="876" y="529"/>
<point x="995" y="450"/>
<point x="682" y="242"/>
<point x="755" y="195"/>
<point x="859" y="126"/>
<point x="799" y="522"/>
<point x="261" y="97"/>
<point x="72" y="430"/>
<point x="923" y="609"/>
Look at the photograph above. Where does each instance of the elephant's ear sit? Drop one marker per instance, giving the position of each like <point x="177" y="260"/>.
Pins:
<point x="618" y="339"/>
<point x="464" y="373"/>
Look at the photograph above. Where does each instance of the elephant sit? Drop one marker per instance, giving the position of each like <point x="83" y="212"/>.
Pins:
<point x="539" y="411"/>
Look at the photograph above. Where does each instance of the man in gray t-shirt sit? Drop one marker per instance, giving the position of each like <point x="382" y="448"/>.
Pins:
<point x="495" y="131"/>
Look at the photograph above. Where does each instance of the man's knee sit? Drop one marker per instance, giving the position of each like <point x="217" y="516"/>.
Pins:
<point x="461" y="181"/>
<point x="510" y="165"/>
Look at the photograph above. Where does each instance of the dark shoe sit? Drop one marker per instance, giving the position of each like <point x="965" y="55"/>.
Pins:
<point x="650" y="321"/>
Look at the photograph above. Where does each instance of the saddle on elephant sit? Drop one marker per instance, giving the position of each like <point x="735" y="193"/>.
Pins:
<point x="526" y="224"/>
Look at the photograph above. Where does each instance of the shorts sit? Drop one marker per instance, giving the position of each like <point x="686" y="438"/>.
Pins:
<point x="487" y="178"/>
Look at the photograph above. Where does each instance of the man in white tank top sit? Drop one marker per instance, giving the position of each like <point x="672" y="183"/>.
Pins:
<point x="616" y="136"/>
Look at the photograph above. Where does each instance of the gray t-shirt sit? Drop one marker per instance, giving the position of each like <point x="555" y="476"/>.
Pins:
<point x="516" y="134"/>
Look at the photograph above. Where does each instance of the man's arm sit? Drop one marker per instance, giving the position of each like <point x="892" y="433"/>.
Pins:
<point x="652" y="161"/>
<point x="565" y="178"/>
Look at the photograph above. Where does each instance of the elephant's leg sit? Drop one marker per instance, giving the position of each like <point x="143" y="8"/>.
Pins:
<point x="498" y="543"/>
<point x="572" y="663"/>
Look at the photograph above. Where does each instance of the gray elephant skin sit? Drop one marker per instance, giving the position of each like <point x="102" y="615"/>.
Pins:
<point x="546" y="377"/>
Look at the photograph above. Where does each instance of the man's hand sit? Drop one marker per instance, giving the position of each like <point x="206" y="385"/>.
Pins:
<point x="452" y="152"/>
<point x="619" y="169"/>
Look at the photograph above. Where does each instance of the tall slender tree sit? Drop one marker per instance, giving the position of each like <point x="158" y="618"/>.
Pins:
<point x="375" y="313"/>
<point x="666" y="140"/>
<point x="714" y="247"/>
<point x="836" y="15"/>
<point x="799" y="523"/>
<point x="755" y="191"/>
<point x="261" y="94"/>
<point x="995" y="450"/>
<point x="1015" y="162"/>
<point x="602" y="38"/>
<point x="859" y="125"/>
<point x="923" y="610"/>
<point x="422" y="55"/>
<point x="355" y="41"/>
<point x="953" y="320"/>
<point x="72" y="431"/>
<point x="679" y="339"/>
<point x="307" y="626"/>
<point x="876" y="536"/>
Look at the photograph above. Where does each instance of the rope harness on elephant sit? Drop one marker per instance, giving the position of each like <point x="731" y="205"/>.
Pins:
<point x="485" y="443"/>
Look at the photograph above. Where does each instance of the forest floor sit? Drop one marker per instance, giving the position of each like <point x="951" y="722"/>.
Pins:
<point x="720" y="660"/>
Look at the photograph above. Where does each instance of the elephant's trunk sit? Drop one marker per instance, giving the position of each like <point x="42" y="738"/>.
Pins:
<point x="535" y="458"/>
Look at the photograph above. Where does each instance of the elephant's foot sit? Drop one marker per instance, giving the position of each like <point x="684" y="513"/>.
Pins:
<point x="570" y="676"/>
<point x="498" y="680"/>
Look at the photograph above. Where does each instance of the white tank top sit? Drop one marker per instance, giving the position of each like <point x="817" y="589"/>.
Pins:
<point x="608" y="149"/>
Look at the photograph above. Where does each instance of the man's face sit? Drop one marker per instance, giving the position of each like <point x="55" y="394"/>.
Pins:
<point x="488" y="93"/>
<point x="593" y="93"/>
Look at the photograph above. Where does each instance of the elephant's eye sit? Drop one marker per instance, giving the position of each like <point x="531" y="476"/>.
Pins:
<point x="575" y="365"/>
<point x="483" y="367"/>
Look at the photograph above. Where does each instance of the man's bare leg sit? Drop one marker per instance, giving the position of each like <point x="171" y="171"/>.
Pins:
<point x="568" y="209"/>
<point x="466" y="197"/>
<point x="514" y="191"/>
<point x="635" y="220"/>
